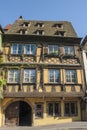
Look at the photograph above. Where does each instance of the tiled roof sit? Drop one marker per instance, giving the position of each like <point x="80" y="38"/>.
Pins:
<point x="7" y="27"/>
<point x="47" y="28"/>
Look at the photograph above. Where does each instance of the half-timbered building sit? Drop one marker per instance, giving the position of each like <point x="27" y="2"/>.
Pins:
<point x="42" y="65"/>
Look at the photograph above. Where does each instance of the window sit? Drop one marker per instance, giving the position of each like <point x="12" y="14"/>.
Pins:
<point x="60" y="33"/>
<point x="53" y="109"/>
<point x="54" y="76"/>
<point x="71" y="109"/>
<point x="69" y="50"/>
<point x="39" y="32"/>
<point x="71" y="76"/>
<point x="16" y="49"/>
<point x="59" y="25"/>
<point x="38" y="110"/>
<point x="29" y="49"/>
<point x="20" y="48"/>
<point x="53" y="49"/>
<point x="23" y="31"/>
<point x="40" y="25"/>
<point x="26" y="24"/>
<point x="29" y="75"/>
<point x="13" y="76"/>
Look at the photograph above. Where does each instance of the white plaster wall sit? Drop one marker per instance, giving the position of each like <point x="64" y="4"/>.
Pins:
<point x="85" y="63"/>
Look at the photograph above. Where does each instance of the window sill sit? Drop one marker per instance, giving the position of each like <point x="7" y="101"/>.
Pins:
<point x="52" y="83"/>
<point x="51" y="55"/>
<point x="32" y="55"/>
<point x="68" y="56"/>
<point x="28" y="83"/>
<point x="13" y="83"/>
<point x="71" y="83"/>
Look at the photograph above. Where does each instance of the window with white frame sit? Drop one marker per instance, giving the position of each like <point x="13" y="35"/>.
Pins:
<point x="13" y="76"/>
<point x="29" y="49"/>
<point x="23" y="48"/>
<point x="29" y="75"/>
<point x="38" y="110"/>
<point x="53" y="109"/>
<point x="16" y="48"/>
<point x="53" y="49"/>
<point x="54" y="75"/>
<point x="71" y="76"/>
<point x="70" y="109"/>
<point x="69" y="50"/>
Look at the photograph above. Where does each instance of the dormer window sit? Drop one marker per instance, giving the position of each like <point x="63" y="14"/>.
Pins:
<point x="26" y="24"/>
<point x="39" y="32"/>
<point x="40" y="25"/>
<point x="23" y="31"/>
<point x="59" y="26"/>
<point x="60" y="33"/>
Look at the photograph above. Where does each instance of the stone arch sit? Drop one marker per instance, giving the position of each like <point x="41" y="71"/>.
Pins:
<point x="25" y="104"/>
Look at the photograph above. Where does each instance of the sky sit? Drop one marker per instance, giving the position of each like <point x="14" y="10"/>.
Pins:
<point x="74" y="11"/>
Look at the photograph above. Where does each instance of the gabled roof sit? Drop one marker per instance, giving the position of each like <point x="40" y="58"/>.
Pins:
<point x="50" y="28"/>
<point x="84" y="41"/>
<point x="7" y="27"/>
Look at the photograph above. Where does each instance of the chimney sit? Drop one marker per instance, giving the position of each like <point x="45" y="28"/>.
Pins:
<point x="20" y="18"/>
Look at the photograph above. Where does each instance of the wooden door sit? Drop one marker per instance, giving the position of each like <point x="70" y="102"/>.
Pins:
<point x="18" y="114"/>
<point x="12" y="114"/>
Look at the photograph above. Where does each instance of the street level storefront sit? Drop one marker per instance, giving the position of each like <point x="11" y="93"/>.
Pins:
<point x="31" y="111"/>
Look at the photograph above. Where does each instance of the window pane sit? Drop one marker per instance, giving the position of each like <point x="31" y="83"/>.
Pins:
<point x="67" y="110"/>
<point x="38" y="110"/>
<point x="33" y="49"/>
<point x="29" y="76"/>
<point x="19" y="48"/>
<point x="51" y="75"/>
<point x="13" y="76"/>
<point x="56" y="109"/>
<point x="71" y="76"/>
<point x="54" y="75"/>
<point x="53" y="49"/>
<point x="26" y="49"/>
<point x="50" y="48"/>
<point x="73" y="109"/>
<point x="14" y="49"/>
<point x="30" y="49"/>
<point x="50" y="109"/>
<point x="56" y="49"/>
<point x="69" y="50"/>
<point x="57" y="75"/>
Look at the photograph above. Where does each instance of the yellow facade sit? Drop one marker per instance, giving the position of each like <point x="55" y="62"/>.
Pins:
<point x="46" y="119"/>
<point x="42" y="91"/>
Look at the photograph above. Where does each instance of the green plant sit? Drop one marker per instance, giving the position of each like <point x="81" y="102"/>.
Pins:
<point x="2" y="84"/>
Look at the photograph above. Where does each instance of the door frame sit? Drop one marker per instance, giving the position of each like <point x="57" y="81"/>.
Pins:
<point x="15" y="100"/>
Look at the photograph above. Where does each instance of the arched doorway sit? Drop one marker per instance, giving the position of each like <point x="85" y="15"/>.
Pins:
<point x="18" y="113"/>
